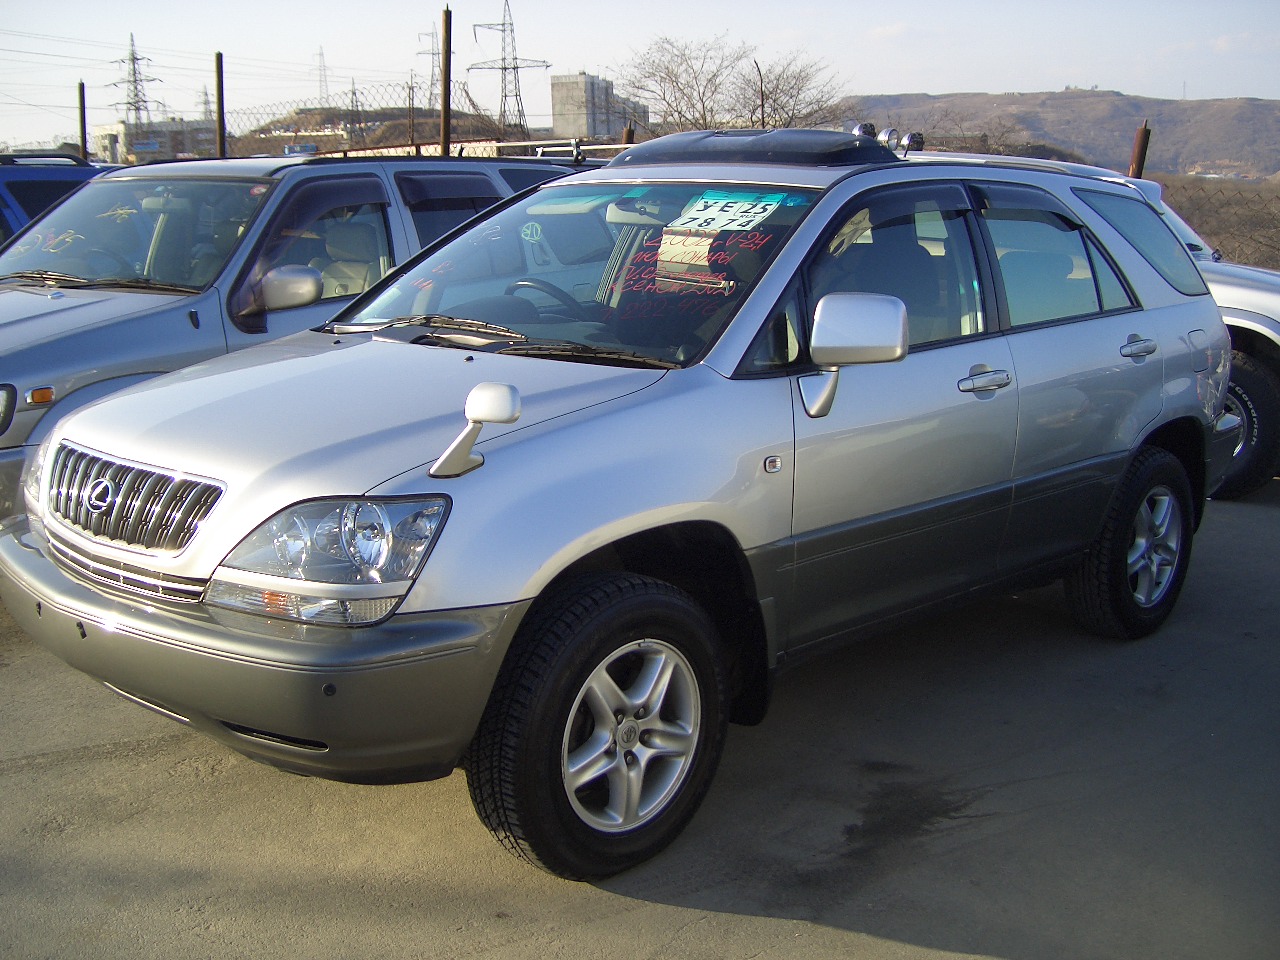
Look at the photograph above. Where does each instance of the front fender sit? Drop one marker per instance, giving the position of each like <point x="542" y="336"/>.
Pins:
<point x="690" y="448"/>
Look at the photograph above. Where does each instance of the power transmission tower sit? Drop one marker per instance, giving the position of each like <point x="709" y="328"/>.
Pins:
<point x="136" y="105"/>
<point x="324" y="77"/>
<point x="355" y="122"/>
<point x="511" y="108"/>
<point x="433" y="86"/>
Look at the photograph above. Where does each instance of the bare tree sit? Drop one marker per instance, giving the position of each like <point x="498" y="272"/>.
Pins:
<point x="711" y="84"/>
<point x="790" y="92"/>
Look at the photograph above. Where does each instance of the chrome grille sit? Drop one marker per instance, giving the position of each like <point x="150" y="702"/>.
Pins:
<point x="124" y="576"/>
<point x="126" y="503"/>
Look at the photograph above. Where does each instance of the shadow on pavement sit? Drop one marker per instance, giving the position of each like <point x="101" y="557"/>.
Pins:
<point x="994" y="781"/>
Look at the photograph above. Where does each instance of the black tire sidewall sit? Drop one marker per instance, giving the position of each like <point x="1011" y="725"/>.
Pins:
<point x="1154" y="469"/>
<point x="1256" y="391"/>
<point x="552" y="829"/>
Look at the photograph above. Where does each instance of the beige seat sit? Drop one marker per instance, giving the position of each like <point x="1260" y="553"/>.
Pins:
<point x="353" y="265"/>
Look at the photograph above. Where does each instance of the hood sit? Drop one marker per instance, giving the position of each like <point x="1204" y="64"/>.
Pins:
<point x="318" y="415"/>
<point x="34" y="313"/>
<point x="1242" y="287"/>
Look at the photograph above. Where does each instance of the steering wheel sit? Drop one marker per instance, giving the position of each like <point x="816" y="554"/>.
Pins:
<point x="129" y="270"/>
<point x="552" y="291"/>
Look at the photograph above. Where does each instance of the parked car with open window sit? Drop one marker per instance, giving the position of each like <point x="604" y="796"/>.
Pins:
<point x="557" y="499"/>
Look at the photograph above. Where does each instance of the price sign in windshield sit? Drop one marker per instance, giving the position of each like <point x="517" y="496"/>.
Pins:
<point x="718" y="210"/>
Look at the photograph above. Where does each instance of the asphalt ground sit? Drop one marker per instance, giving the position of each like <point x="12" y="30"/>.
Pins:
<point x="987" y="783"/>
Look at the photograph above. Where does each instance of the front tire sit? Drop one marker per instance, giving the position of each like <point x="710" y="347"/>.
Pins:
<point x="1127" y="584"/>
<point x="604" y="728"/>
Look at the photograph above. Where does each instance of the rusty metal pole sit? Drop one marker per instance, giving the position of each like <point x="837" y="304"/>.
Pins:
<point x="446" y="81"/>
<point x="1141" y="140"/>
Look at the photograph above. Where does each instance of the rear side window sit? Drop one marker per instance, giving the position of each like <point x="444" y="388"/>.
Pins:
<point x="438" y="203"/>
<point x="36" y="196"/>
<point x="1051" y="268"/>
<point x="521" y="178"/>
<point x="1134" y="220"/>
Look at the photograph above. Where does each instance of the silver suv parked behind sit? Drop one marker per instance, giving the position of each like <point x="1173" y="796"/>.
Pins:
<point x="151" y="268"/>
<point x="557" y="500"/>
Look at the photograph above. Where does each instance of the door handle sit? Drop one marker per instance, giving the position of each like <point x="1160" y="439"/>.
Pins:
<point x="985" y="381"/>
<point x="1138" y="347"/>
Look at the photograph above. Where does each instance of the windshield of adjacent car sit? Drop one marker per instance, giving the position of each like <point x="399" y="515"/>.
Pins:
<point x="137" y="232"/>
<point x="1196" y="244"/>
<point x="597" y="272"/>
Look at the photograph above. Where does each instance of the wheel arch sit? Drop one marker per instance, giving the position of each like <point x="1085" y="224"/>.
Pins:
<point x="1185" y="439"/>
<point x="703" y="559"/>
<point x="1258" y="341"/>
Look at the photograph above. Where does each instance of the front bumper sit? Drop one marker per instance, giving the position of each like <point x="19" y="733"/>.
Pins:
<point x="396" y="701"/>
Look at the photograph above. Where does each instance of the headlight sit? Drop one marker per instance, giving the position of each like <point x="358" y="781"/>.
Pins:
<point x="32" y="472"/>
<point x="8" y="400"/>
<point x="330" y="561"/>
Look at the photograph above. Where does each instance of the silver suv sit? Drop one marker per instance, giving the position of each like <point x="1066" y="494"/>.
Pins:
<point x="148" y="269"/>
<point x="556" y="500"/>
<point x="1249" y="298"/>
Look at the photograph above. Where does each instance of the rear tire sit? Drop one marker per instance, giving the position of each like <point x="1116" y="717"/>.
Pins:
<point x="604" y="728"/>
<point x="1127" y="584"/>
<point x="1253" y="395"/>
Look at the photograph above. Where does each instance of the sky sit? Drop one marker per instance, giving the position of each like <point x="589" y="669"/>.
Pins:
<point x="272" y="51"/>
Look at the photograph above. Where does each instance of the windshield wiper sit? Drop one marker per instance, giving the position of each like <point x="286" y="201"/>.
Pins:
<point x="434" y="321"/>
<point x="572" y="349"/>
<point x="140" y="283"/>
<point x="440" y="322"/>
<point x="43" y="276"/>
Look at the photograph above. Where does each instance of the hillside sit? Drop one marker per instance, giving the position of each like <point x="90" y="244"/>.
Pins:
<point x="1239" y="137"/>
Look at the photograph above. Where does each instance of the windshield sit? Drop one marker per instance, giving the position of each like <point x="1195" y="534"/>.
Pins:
<point x="598" y="271"/>
<point x="141" y="231"/>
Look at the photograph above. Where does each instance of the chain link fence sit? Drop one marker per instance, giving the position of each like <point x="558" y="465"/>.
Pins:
<point x="1240" y="218"/>
<point x="360" y="118"/>
<point x="393" y="118"/>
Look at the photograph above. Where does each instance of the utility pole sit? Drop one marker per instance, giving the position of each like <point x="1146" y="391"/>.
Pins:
<point x="446" y="78"/>
<point x="511" y="108"/>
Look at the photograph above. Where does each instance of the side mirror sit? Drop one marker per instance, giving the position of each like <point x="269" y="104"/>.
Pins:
<point x="851" y="328"/>
<point x="291" y="285"/>
<point x="486" y="403"/>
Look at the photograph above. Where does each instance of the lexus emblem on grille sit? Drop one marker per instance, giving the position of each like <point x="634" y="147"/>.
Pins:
<point x="100" y="495"/>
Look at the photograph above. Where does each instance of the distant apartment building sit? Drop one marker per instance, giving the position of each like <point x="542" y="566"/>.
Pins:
<point x="173" y="139"/>
<point x="585" y="107"/>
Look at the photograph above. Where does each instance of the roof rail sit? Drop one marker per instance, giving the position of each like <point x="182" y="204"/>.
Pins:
<point x="15" y="159"/>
